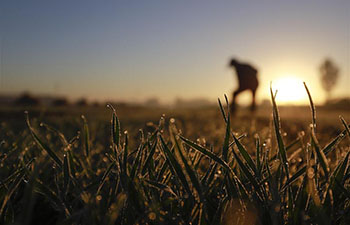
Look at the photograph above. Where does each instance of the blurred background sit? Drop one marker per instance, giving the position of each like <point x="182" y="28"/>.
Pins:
<point x="171" y="52"/>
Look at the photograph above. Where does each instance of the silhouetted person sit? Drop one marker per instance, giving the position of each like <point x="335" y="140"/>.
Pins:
<point x="247" y="80"/>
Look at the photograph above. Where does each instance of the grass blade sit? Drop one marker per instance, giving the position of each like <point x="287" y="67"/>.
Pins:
<point x="245" y="155"/>
<point x="205" y="152"/>
<point x="161" y="186"/>
<point x="320" y="155"/>
<point x="105" y="175"/>
<point x="42" y="145"/>
<point x="149" y="157"/>
<point x="137" y="161"/>
<point x="328" y="148"/>
<point x="312" y="106"/>
<point x="189" y="170"/>
<point x="248" y="174"/>
<point x="175" y="165"/>
<point x="281" y="147"/>
<point x="66" y="173"/>
<point x="345" y="125"/>
<point x="115" y="129"/>
<point x="295" y="177"/>
<point x="86" y="136"/>
<point x="125" y="155"/>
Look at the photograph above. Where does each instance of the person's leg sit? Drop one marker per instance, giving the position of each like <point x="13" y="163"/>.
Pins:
<point x="233" y="102"/>
<point x="253" y="106"/>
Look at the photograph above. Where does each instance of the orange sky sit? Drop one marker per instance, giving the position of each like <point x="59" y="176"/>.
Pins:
<point x="126" y="51"/>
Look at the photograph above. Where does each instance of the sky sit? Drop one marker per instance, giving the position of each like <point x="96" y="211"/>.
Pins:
<point x="135" y="50"/>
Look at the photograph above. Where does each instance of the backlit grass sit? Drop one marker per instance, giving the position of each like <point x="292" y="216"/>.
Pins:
<point x="48" y="178"/>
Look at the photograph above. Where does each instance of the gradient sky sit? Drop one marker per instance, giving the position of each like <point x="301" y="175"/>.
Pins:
<point x="134" y="50"/>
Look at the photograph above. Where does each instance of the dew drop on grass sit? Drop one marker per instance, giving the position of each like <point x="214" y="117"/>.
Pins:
<point x="152" y="216"/>
<point x="150" y="124"/>
<point x="277" y="208"/>
<point x="310" y="173"/>
<point x="98" y="197"/>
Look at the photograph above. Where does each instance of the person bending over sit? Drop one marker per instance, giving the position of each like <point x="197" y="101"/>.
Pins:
<point x="247" y="80"/>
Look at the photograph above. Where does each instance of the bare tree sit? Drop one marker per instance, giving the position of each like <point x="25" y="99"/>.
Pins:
<point x="329" y="76"/>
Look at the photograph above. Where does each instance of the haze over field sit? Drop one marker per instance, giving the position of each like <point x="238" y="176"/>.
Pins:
<point x="125" y="50"/>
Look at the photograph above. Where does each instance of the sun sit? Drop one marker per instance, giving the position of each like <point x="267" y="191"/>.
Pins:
<point x="290" y="89"/>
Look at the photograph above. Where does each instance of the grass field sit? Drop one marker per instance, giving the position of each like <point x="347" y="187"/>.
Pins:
<point x="174" y="166"/>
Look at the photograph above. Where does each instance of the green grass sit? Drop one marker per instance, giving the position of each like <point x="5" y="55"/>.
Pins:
<point x="163" y="177"/>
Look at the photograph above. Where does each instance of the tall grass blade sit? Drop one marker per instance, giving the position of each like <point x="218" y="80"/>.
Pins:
<point x="11" y="190"/>
<point x="105" y="175"/>
<point x="320" y="155"/>
<point x="248" y="174"/>
<point x="295" y="177"/>
<point x="42" y="145"/>
<point x="189" y="170"/>
<point x="115" y="127"/>
<point x="66" y="173"/>
<point x="205" y="152"/>
<point x="258" y="156"/>
<point x="328" y="148"/>
<point x="125" y="154"/>
<point x="312" y="106"/>
<point x="339" y="173"/>
<point x="15" y="173"/>
<point x="245" y="155"/>
<point x="175" y="165"/>
<point x="281" y="147"/>
<point x="225" y="146"/>
<point x="162" y="187"/>
<point x="86" y="137"/>
<point x="222" y="110"/>
<point x="137" y="161"/>
<point x="345" y="125"/>
<point x="149" y="157"/>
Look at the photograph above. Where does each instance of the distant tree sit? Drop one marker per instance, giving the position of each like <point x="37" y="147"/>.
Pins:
<point x="27" y="99"/>
<point x="60" y="102"/>
<point x="152" y="102"/>
<point x="329" y="73"/>
<point x="95" y="104"/>
<point x="82" y="102"/>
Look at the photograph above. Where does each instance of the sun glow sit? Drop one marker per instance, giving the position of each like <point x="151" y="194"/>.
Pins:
<point x="289" y="90"/>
